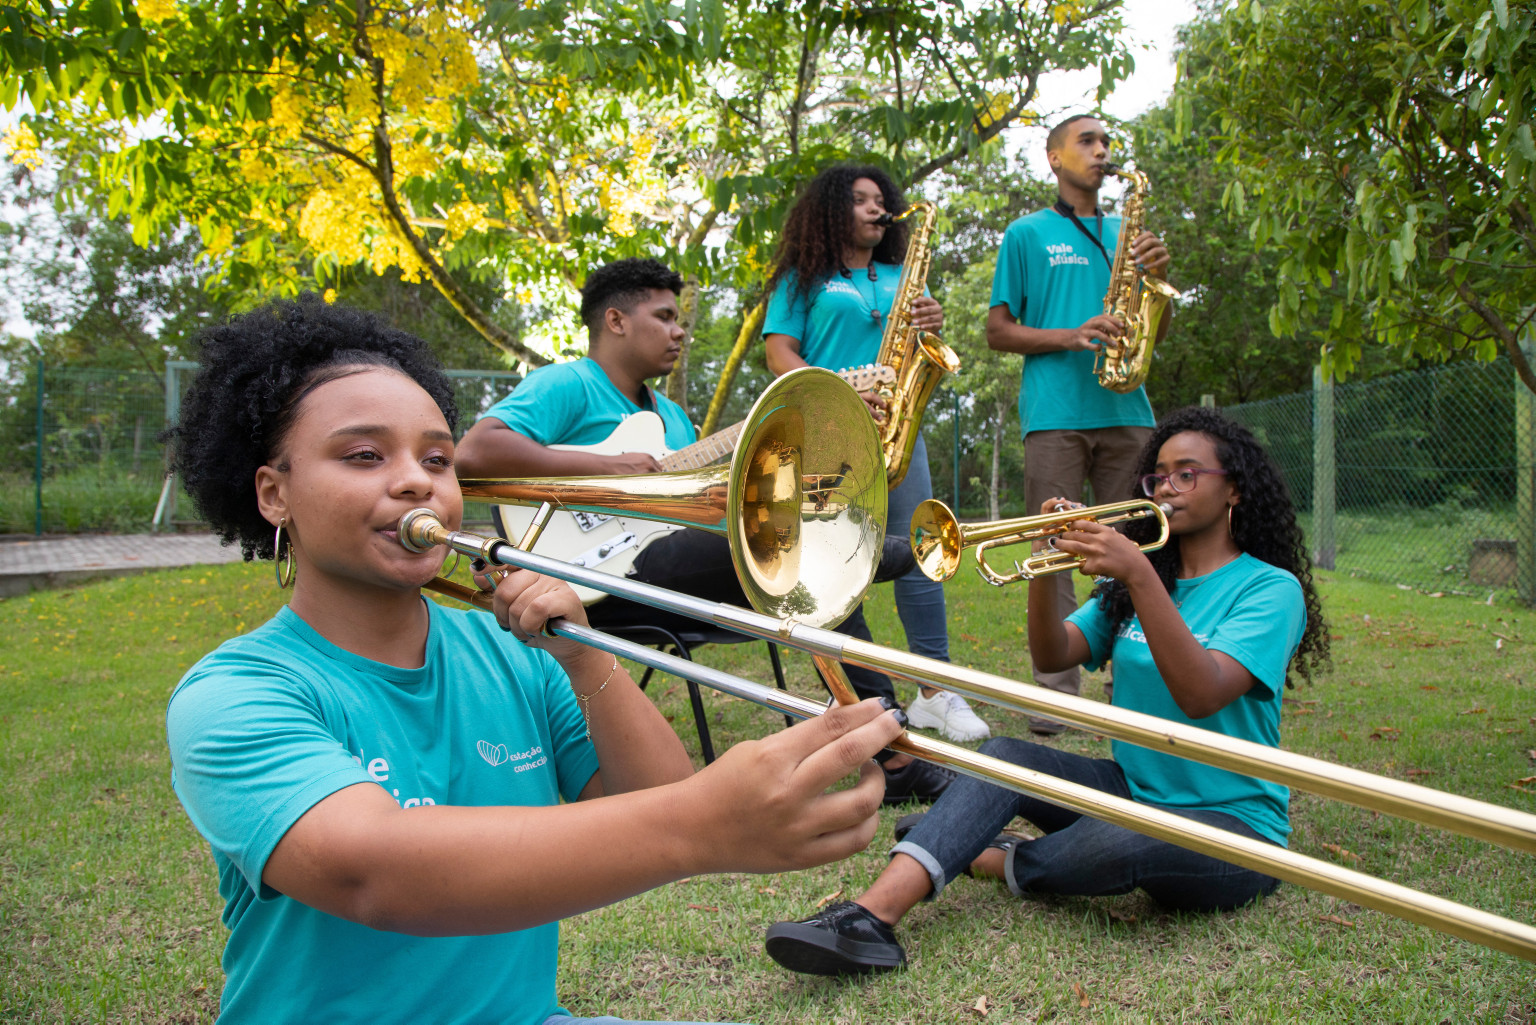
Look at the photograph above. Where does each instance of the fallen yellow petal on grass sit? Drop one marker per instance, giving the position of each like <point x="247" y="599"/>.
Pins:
<point x="1340" y="852"/>
<point x="1336" y="920"/>
<point x="980" y="1006"/>
<point x="829" y="898"/>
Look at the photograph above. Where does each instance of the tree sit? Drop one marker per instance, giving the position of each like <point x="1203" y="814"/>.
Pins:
<point x="515" y="144"/>
<point x="1386" y="146"/>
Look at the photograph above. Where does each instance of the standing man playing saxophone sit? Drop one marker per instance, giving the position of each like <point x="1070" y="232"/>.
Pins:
<point x="834" y="281"/>
<point x="1053" y="270"/>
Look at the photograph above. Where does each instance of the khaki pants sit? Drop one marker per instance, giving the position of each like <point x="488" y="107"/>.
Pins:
<point x="1059" y="463"/>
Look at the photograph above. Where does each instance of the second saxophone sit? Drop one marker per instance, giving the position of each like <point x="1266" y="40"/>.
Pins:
<point x="1136" y="298"/>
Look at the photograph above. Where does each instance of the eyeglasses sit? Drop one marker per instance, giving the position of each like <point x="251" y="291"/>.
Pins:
<point x="1178" y="480"/>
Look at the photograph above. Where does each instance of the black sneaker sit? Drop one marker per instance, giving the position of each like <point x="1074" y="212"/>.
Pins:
<point x="841" y="939"/>
<point x="896" y="559"/>
<point x="916" y="781"/>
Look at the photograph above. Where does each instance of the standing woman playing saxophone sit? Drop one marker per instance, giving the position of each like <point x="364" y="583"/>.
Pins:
<point x="402" y="799"/>
<point x="1203" y="632"/>
<point x="835" y="278"/>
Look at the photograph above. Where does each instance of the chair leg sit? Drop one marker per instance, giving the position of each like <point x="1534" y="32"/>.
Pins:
<point x="700" y="716"/>
<point x="778" y="675"/>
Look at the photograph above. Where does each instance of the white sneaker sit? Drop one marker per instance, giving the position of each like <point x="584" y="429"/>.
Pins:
<point x="949" y="714"/>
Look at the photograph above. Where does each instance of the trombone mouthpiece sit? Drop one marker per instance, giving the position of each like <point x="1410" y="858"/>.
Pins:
<point x="1166" y="508"/>
<point x="415" y="530"/>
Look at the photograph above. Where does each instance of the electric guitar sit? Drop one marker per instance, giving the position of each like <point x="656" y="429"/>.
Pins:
<point x="612" y="543"/>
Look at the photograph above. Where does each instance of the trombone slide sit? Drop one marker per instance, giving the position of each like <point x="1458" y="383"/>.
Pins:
<point x="1437" y="913"/>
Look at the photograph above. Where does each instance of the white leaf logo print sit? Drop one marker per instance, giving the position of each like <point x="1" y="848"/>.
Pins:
<point x="493" y="753"/>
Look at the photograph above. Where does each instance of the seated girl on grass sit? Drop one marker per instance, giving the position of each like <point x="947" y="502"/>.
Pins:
<point x="1201" y="631"/>
<point x="404" y="800"/>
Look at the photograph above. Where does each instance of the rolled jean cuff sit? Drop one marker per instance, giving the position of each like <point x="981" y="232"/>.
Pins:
<point x="1008" y="876"/>
<point x="928" y="861"/>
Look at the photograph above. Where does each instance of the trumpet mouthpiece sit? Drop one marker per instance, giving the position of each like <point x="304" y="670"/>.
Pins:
<point x="1166" y="508"/>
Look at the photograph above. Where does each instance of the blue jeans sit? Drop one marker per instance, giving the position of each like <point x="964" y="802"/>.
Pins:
<point x="919" y="601"/>
<point x="565" y="1019"/>
<point x="1078" y="855"/>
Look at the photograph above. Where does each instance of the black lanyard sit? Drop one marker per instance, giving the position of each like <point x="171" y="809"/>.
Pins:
<point x="1065" y="209"/>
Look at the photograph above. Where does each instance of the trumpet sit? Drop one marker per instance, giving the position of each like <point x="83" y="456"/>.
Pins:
<point x="938" y="538"/>
<point x="420" y="530"/>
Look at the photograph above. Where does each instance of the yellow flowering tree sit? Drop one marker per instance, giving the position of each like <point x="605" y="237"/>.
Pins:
<point x="512" y="143"/>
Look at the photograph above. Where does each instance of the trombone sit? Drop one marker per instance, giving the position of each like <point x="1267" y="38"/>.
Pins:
<point x="420" y="530"/>
<point x="938" y="537"/>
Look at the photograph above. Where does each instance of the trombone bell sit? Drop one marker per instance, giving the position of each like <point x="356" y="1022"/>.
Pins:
<point x="938" y="538"/>
<point x="802" y="503"/>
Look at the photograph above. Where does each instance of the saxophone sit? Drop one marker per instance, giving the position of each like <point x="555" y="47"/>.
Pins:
<point x="1138" y="300"/>
<point x="917" y="358"/>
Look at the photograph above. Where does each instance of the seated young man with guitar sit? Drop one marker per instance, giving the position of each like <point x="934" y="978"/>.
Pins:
<point x="574" y="420"/>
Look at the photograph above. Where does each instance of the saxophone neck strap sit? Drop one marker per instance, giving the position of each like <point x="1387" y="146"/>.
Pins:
<point x="1065" y="209"/>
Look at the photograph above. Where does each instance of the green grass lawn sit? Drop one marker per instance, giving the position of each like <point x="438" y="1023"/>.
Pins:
<point x="109" y="909"/>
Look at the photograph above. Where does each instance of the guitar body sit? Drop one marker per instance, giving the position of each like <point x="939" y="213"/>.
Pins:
<point x="607" y="543"/>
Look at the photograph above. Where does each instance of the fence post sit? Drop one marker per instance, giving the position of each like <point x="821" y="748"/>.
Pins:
<point x="1525" y="481"/>
<point x="1324" y="545"/>
<point x="37" y="462"/>
<point x="954" y="406"/>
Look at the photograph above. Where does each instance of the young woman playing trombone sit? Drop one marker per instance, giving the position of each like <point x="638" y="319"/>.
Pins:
<point x="403" y="800"/>
<point x="1201" y="631"/>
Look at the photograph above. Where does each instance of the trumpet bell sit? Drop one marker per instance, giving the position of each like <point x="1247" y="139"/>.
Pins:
<point x="802" y="503"/>
<point x="936" y="540"/>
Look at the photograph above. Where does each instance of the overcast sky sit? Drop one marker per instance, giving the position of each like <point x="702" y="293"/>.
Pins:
<point x="1151" y="30"/>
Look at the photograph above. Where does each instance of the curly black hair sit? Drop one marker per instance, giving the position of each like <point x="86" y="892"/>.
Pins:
<point x="1263" y="524"/>
<point x="255" y="371"/>
<point x="621" y="284"/>
<point x="820" y="223"/>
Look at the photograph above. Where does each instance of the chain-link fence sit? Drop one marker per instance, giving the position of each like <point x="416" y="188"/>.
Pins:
<point x="1425" y="479"/>
<point x="81" y="447"/>
<point x="1422" y="479"/>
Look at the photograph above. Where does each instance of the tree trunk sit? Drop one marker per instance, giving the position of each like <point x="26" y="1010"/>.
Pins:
<point x="687" y="316"/>
<point x="751" y="324"/>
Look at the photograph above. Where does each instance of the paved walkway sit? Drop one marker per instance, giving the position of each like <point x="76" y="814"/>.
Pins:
<point x="28" y="564"/>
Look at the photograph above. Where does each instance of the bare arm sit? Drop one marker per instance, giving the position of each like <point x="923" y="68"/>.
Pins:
<point x="492" y="449"/>
<point x="432" y="871"/>
<point x="1201" y="682"/>
<point x="783" y="354"/>
<point x="1005" y="334"/>
<point x="1054" y="644"/>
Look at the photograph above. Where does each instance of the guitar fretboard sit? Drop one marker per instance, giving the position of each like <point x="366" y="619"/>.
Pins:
<point x="704" y="451"/>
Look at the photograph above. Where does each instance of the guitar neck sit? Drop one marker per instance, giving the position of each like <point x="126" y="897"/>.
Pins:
<point x="704" y="451"/>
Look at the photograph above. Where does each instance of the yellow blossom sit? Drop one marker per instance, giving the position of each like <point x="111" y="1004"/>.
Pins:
<point x="22" y="146"/>
<point x="156" y="10"/>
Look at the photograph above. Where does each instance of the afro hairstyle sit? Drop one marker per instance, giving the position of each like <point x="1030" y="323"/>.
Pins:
<point x="254" y="372"/>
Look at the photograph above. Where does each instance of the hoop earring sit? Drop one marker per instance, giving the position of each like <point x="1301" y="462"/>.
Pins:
<point x="1230" y="533"/>
<point x="282" y="561"/>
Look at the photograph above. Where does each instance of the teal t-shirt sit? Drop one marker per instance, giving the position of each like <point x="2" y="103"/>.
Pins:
<point x="1249" y="610"/>
<point x="269" y="724"/>
<point x="576" y="404"/>
<point x="837" y="324"/>
<point x="1050" y="275"/>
